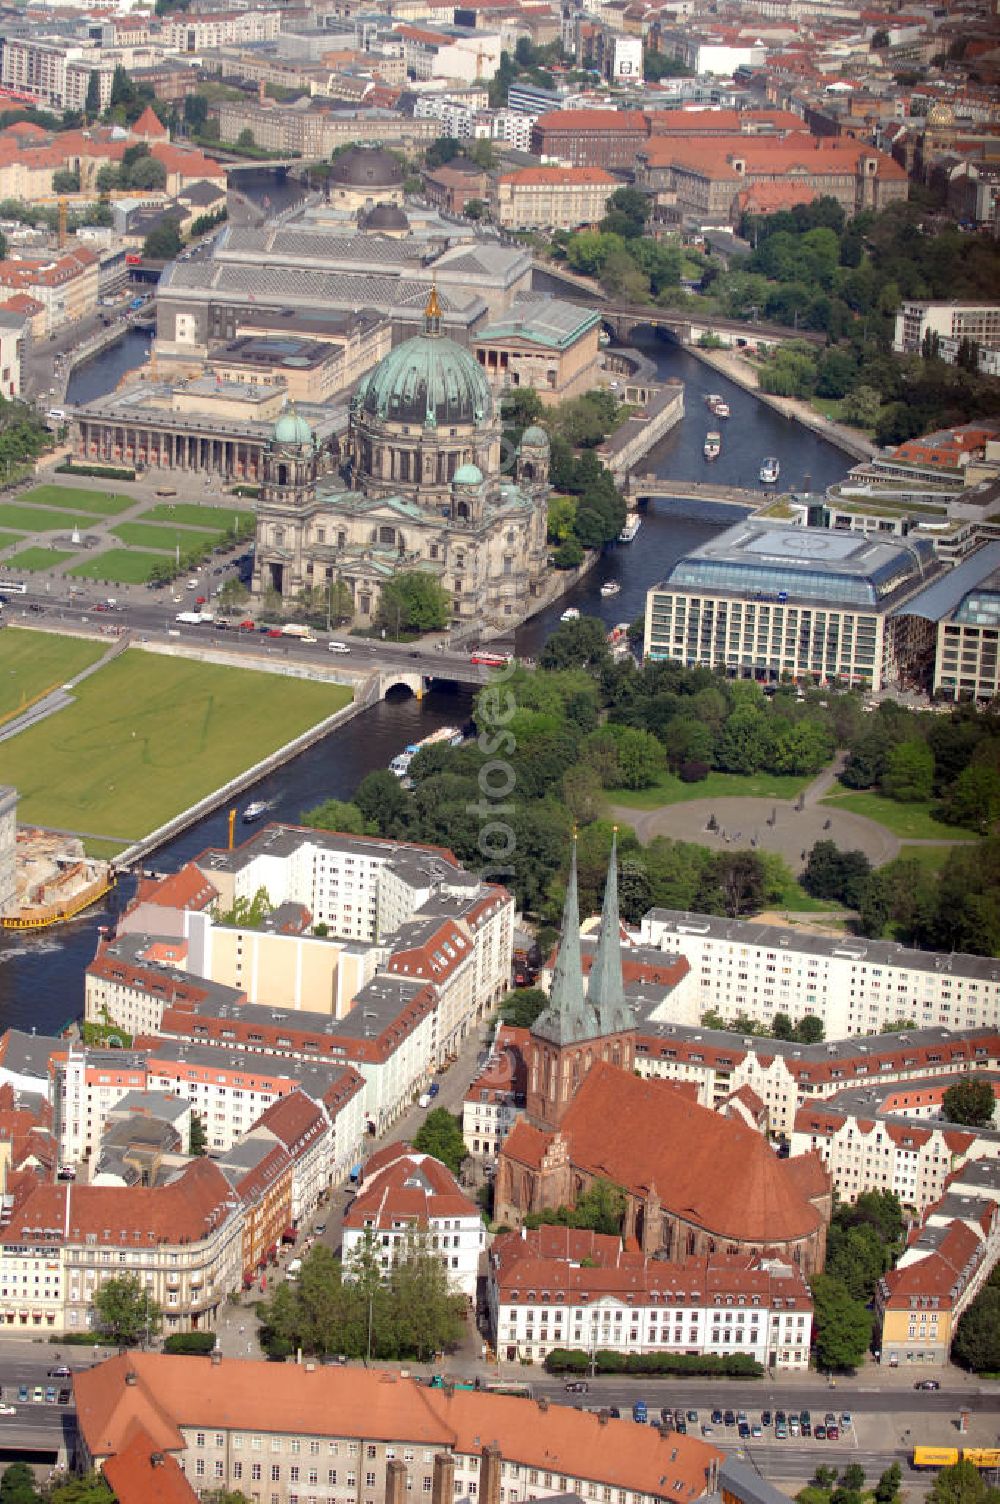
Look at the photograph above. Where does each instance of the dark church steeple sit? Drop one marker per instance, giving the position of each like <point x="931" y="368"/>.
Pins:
<point x="580" y="1026"/>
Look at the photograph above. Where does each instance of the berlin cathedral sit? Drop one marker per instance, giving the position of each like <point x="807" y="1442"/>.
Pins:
<point x="422" y="487"/>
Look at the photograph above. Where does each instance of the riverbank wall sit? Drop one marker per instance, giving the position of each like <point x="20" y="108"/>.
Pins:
<point x="638" y="435"/>
<point x="736" y="369"/>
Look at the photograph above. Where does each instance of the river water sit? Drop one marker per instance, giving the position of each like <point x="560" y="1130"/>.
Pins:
<point x="41" y="976"/>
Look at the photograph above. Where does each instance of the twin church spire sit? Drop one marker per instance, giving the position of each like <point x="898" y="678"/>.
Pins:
<point x="578" y="1013"/>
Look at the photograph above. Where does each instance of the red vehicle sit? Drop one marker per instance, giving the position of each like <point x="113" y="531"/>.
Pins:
<point x="132" y="258"/>
<point x="199" y="600"/>
<point x="490" y="660"/>
<point x="275" y="632"/>
<point x="248" y="626"/>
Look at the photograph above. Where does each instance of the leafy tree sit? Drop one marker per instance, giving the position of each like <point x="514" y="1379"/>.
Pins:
<point x="382" y="801"/>
<point x="148" y="175"/>
<point x="970" y="1101"/>
<point x="195" y="112"/>
<point x="413" y="602"/>
<point x="576" y="644"/>
<point x="91" y="1489"/>
<point x="163" y="242"/>
<point x="842" y="1326"/>
<point x="17" y="1486"/>
<point x="338" y="814"/>
<point x="92" y="105"/>
<point x="65" y="181"/>
<point x="443" y="150"/>
<point x="569" y="554"/>
<point x="247" y="913"/>
<point x="246" y="140"/>
<point x="197" y="1139"/>
<point x="909" y="772"/>
<point x="600" y="1208"/>
<point x="440" y="1135"/>
<point x="888" y="1486"/>
<point x="836" y="874"/>
<point x="196" y="1344"/>
<point x="862" y="407"/>
<point x="625" y="214"/>
<point x="976" y="1343"/>
<point x="124" y="1310"/>
<point x="809" y="1029"/>
<point x="962" y="1484"/>
<point x="973" y="799"/>
<point x="122" y="88"/>
<point x="475" y="208"/>
<point x="523" y="1006"/>
<point x="856" y="1256"/>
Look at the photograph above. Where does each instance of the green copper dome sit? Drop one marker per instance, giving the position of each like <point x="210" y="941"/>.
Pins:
<point x="468" y="475"/>
<point x="428" y="380"/>
<point x="535" y="436"/>
<point x="291" y="429"/>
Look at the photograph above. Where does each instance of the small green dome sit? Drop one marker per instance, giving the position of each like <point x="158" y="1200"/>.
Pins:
<point x="292" y="429"/>
<point x="468" y="475"/>
<point x="428" y="379"/>
<point x="535" y="436"/>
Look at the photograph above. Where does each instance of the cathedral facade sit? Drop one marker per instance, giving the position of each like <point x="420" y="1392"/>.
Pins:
<point x="424" y="485"/>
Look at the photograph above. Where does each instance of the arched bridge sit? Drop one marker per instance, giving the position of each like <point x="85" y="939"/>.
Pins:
<point x="687" y="328"/>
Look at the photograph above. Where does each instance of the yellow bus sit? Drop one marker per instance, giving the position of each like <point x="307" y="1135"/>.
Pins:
<point x="982" y="1457"/>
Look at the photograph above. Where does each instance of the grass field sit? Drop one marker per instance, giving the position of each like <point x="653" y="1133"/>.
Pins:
<point x="31" y="663"/>
<point x="83" y="499"/>
<point x="7" y="540"/>
<point x="39" y="558"/>
<point x="193" y="515"/>
<point x="670" y="789"/>
<point x="29" y="519"/>
<point x="154" y="535"/>
<point x="124" y="566"/>
<point x="931" y="858"/>
<point x="911" y="822"/>
<point x="150" y="735"/>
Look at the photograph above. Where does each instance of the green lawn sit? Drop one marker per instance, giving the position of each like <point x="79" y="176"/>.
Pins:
<point x="670" y="789"/>
<point x="911" y="822"/>
<point x="7" y="540"/>
<point x="195" y="515"/>
<point x="83" y="499"/>
<point x="153" y="535"/>
<point x="30" y="519"/>
<point x="932" y="858"/>
<point x="122" y="566"/>
<point x="31" y="663"/>
<point x="39" y="558"/>
<point x="150" y="735"/>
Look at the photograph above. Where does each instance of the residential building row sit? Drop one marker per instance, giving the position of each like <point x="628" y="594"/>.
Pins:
<point x="895" y="1138"/>
<point x="191" y="1230"/>
<point x="559" y="1287"/>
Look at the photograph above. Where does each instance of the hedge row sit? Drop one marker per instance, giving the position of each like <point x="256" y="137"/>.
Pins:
<point x="576" y="1360"/>
<point x="106" y="472"/>
<point x="200" y="1343"/>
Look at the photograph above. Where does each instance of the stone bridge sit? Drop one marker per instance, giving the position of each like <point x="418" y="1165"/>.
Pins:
<point x="624" y="318"/>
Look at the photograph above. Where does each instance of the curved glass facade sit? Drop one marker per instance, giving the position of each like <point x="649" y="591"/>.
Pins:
<point x="755" y="574"/>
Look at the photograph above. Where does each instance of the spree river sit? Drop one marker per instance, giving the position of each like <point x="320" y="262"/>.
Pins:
<point x="41" y="976"/>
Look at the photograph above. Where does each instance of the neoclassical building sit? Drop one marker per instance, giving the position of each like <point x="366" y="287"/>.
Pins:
<point x="424" y="485"/>
<point x="695" y="1183"/>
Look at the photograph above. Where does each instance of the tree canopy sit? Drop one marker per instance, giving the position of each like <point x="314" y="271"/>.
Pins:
<point x="124" y="1310"/>
<point x="842" y="1326"/>
<point x="413" y="602"/>
<point x="440" y="1135"/>
<point x="970" y="1101"/>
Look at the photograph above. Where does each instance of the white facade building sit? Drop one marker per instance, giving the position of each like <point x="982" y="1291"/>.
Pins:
<point x="407" y="1196"/>
<point x="854" y="986"/>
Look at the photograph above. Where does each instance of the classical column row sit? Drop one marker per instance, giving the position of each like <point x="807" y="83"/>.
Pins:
<point x="107" y="440"/>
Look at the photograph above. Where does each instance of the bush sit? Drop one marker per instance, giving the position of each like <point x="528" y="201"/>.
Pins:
<point x="574" y="1360"/>
<point x="191" y="1343"/>
<point x="106" y="472"/>
<point x="78" y="1339"/>
<point x="692" y="772"/>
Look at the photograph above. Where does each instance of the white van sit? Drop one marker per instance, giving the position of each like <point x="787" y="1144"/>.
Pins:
<point x="338" y="647"/>
<point x="424" y="1100"/>
<point x="292" y="1272"/>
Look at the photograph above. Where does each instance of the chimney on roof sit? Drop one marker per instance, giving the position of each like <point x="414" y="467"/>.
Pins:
<point x="443" y="1483"/>
<point x="216" y="1356"/>
<point x="156" y="1459"/>
<point x="131" y="1378"/>
<point x="602" y="1417"/>
<point x="489" y="1474"/>
<point x="395" y="1481"/>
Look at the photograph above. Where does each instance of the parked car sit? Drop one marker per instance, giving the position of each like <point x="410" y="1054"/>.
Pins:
<point x="62" y="1372"/>
<point x="819" y="1432"/>
<point x="730" y="1418"/>
<point x="716" y="1417"/>
<point x="65" y="1396"/>
<point x="38" y="1394"/>
<point x="8" y="1409"/>
<point x="692" y="1416"/>
<point x="743" y="1428"/>
<point x="927" y="1384"/>
<point x="708" y="1430"/>
<point x="577" y="1386"/>
<point x="50" y="1394"/>
<point x="22" y="1393"/>
<point x="833" y="1433"/>
<point x="846" y="1420"/>
<point x="765" y="1417"/>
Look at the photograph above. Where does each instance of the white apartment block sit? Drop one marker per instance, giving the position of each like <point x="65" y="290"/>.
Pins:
<point x="948" y="321"/>
<point x="592" y="1299"/>
<point x="853" y="985"/>
<point x="57" y="74"/>
<point x="210" y="30"/>
<point x="784" y="1074"/>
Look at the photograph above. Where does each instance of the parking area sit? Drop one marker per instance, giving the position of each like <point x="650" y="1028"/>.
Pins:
<point x="56" y="1390"/>
<point x="728" y="1427"/>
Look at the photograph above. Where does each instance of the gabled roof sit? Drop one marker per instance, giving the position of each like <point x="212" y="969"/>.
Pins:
<point x="143" y="1474"/>
<point x="705" y="1169"/>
